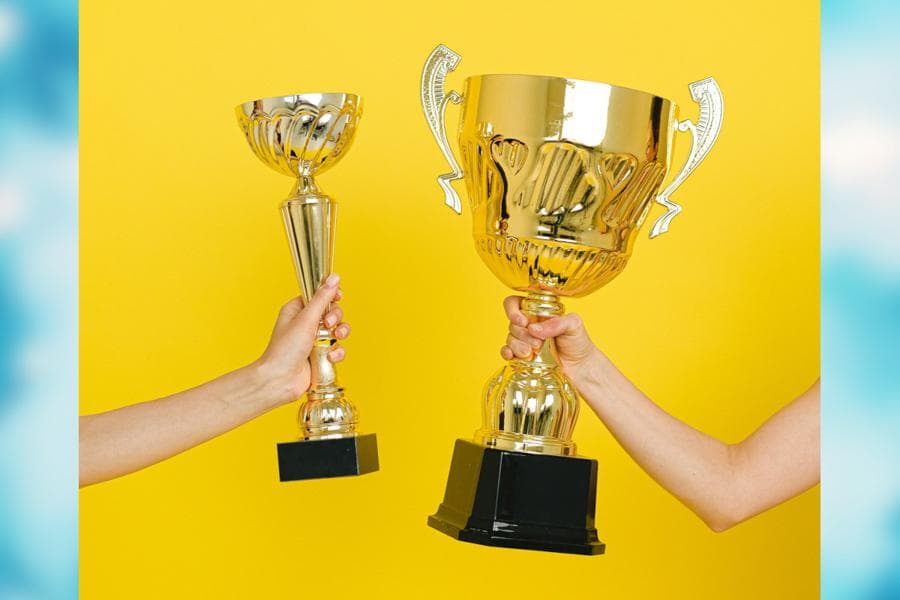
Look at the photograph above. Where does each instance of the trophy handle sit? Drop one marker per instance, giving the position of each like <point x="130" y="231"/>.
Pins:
<point x="441" y="61"/>
<point x="703" y="135"/>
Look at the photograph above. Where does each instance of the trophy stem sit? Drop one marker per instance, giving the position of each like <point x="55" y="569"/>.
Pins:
<point x="305" y="186"/>
<point x="529" y="405"/>
<point x="326" y="412"/>
<point x="323" y="377"/>
<point x="309" y="220"/>
<point x="540" y="306"/>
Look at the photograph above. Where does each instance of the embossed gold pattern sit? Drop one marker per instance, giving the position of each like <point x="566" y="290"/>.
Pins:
<point x="560" y="175"/>
<point x="303" y="135"/>
<point x="300" y="134"/>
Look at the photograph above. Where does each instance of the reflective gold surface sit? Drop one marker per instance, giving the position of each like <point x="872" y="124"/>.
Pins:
<point x="560" y="175"/>
<point x="560" y="180"/>
<point x="303" y="135"/>
<point x="300" y="134"/>
<point x="528" y="405"/>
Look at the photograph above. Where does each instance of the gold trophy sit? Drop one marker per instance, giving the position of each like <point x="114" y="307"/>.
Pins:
<point x="301" y="136"/>
<point x="561" y="174"/>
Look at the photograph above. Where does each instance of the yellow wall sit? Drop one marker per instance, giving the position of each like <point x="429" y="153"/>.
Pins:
<point x="184" y="264"/>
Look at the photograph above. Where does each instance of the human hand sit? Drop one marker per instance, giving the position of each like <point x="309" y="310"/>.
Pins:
<point x="573" y="345"/>
<point x="285" y="362"/>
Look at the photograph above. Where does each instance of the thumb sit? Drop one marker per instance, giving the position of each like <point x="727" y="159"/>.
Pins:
<point x="513" y="308"/>
<point x="308" y="318"/>
<point x="568" y="325"/>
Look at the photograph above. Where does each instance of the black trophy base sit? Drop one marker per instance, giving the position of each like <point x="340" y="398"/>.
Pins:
<point x="315" y="459"/>
<point x="520" y="500"/>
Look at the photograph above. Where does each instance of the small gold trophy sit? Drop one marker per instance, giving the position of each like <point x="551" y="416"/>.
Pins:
<point x="561" y="174"/>
<point x="303" y="135"/>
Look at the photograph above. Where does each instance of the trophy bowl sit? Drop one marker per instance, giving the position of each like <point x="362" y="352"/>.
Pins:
<point x="300" y="134"/>
<point x="561" y="174"/>
<point x="560" y="181"/>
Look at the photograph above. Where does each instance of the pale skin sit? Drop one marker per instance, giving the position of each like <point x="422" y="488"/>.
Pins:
<point x="121" y="441"/>
<point x="724" y="484"/>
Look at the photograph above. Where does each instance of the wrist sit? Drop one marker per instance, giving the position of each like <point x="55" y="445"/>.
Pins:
<point x="270" y="385"/>
<point x="593" y="372"/>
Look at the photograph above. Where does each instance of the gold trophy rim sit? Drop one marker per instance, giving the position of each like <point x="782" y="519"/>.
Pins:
<point x="246" y="107"/>
<point x="591" y="82"/>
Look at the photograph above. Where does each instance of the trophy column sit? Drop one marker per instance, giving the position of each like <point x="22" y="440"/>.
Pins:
<point x="519" y="483"/>
<point x="300" y="136"/>
<point x="329" y="445"/>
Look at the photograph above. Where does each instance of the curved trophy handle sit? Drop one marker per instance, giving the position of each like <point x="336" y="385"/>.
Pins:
<point x="441" y="61"/>
<point x="703" y="135"/>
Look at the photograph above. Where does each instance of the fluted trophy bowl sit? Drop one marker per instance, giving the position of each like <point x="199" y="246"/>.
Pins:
<point x="561" y="179"/>
<point x="300" y="134"/>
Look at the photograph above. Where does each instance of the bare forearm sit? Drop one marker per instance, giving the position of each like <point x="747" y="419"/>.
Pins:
<point x="122" y="441"/>
<point x="723" y="484"/>
<point x="697" y="469"/>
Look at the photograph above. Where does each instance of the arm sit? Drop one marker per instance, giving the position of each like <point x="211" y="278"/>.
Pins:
<point x="723" y="484"/>
<point x="127" y="439"/>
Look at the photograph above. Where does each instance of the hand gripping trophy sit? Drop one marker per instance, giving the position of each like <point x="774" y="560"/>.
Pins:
<point x="303" y="135"/>
<point x="560" y="174"/>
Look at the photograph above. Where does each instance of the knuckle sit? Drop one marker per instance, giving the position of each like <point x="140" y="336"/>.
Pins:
<point x="292" y="305"/>
<point x="519" y="347"/>
<point x="323" y="294"/>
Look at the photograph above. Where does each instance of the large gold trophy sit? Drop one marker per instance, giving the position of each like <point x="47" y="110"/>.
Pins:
<point x="303" y="135"/>
<point x="561" y="174"/>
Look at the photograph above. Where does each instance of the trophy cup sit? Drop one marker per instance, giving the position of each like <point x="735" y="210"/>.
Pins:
<point x="560" y="175"/>
<point x="302" y="136"/>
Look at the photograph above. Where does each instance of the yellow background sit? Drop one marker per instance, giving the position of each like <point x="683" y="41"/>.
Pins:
<point x="184" y="265"/>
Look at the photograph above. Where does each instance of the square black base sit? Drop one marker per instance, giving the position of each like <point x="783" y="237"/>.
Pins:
<point x="520" y="500"/>
<point x="314" y="459"/>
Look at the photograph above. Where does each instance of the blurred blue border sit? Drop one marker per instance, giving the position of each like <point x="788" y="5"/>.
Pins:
<point x="38" y="299"/>
<point x="860" y="300"/>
